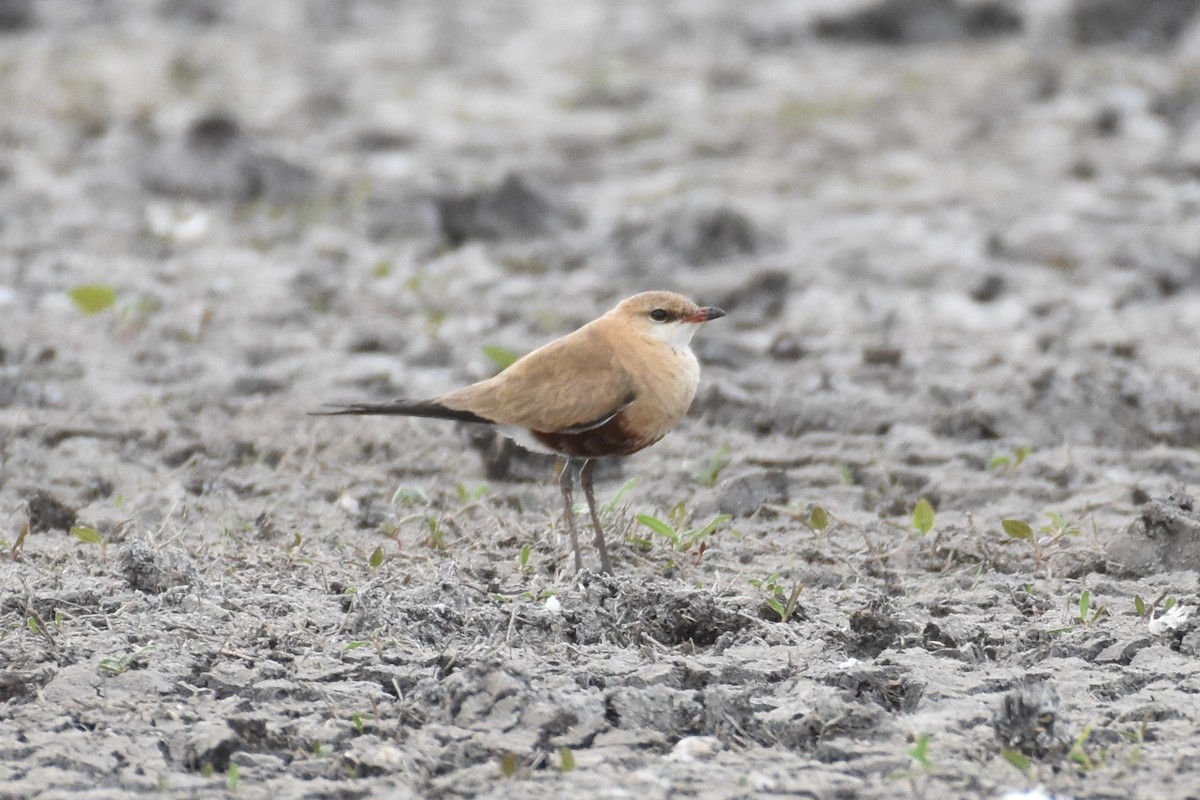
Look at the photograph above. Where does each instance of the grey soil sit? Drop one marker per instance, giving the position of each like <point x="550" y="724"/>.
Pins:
<point x="959" y="248"/>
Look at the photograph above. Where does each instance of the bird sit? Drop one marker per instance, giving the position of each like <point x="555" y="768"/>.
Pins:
<point x="609" y="389"/>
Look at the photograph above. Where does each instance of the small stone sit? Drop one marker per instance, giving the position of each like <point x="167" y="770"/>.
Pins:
<point x="787" y="347"/>
<point x="746" y="494"/>
<point x="208" y="743"/>
<point x="48" y="513"/>
<point x="696" y="748"/>
<point x="882" y="356"/>
<point x="511" y="210"/>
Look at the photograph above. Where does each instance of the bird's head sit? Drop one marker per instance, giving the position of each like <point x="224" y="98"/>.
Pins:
<point x="665" y="316"/>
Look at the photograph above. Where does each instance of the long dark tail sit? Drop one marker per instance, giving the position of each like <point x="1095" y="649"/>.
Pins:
<point x="404" y="408"/>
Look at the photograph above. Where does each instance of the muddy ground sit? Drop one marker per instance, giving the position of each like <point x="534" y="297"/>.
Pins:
<point x="960" y="253"/>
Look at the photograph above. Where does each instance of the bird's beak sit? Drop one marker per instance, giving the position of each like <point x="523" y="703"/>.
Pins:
<point x="705" y="315"/>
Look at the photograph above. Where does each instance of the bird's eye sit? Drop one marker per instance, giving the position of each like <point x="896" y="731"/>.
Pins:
<point x="659" y="315"/>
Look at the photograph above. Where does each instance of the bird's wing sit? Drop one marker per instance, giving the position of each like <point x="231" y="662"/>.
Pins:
<point x="570" y="385"/>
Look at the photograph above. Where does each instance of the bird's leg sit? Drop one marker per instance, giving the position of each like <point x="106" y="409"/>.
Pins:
<point x="565" y="482"/>
<point x="585" y="478"/>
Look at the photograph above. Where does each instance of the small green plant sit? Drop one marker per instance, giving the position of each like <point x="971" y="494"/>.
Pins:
<point x="321" y="750"/>
<point x="711" y="473"/>
<point x="410" y="496"/>
<point x="92" y="298"/>
<point x="233" y="776"/>
<point x="523" y="558"/>
<point x="1021" y="761"/>
<point x="677" y="532"/>
<point x="1137" y="737"/>
<point x="467" y="496"/>
<point x="919" y="767"/>
<point x="1085" y="760"/>
<point x="814" y="516"/>
<point x="566" y="759"/>
<point x="818" y="519"/>
<point x="87" y="534"/>
<point x="436" y="538"/>
<point x="502" y="357"/>
<point x="1146" y="612"/>
<point x="121" y="665"/>
<point x="923" y="517"/>
<point x="358" y="723"/>
<point x="778" y="599"/>
<point x="1008" y="463"/>
<point x="610" y="508"/>
<point x="510" y="765"/>
<point x="1047" y="539"/>
<point x="376" y="559"/>
<point x="15" y="552"/>
<point x="1087" y="615"/>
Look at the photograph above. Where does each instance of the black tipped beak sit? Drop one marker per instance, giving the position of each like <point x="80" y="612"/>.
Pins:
<point x="705" y="314"/>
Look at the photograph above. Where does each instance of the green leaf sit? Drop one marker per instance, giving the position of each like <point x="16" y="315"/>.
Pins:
<point x="712" y="471"/>
<point x="33" y="625"/>
<point x="611" y="505"/>
<point x="999" y="461"/>
<point x="1022" y="453"/>
<point x="92" y="298"/>
<point x="502" y="357"/>
<point x="87" y="534"/>
<point x="923" y="516"/>
<point x="234" y="776"/>
<point x="466" y="495"/>
<point x="712" y="525"/>
<point x="1170" y="603"/>
<point x="376" y="559"/>
<point x="523" y="558"/>
<point x="1017" y="529"/>
<point x="818" y="519"/>
<point x="407" y="496"/>
<point x="509" y="764"/>
<point x="1085" y="604"/>
<point x="1139" y="605"/>
<point x="1018" y="760"/>
<point x="919" y="752"/>
<point x="566" y="759"/>
<point x="658" y="526"/>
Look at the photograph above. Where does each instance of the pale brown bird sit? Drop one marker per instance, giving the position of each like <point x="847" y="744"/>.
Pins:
<point x="611" y="388"/>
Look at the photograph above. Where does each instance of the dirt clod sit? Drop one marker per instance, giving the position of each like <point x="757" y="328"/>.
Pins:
<point x="48" y="513"/>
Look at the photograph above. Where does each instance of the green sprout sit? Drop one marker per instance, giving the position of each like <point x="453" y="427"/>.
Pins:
<point x="1008" y="463"/>
<point x="923" y="517"/>
<point x="502" y="357"/>
<point x="92" y="298"/>
<point x="1051" y="535"/>
<point x="779" y="600"/>
<point x="676" y="531"/>
<point x="711" y="472"/>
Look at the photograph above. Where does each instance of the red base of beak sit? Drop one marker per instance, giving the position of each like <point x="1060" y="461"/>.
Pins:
<point x="705" y="315"/>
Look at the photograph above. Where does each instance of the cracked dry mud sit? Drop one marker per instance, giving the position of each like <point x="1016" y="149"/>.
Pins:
<point x="958" y="247"/>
